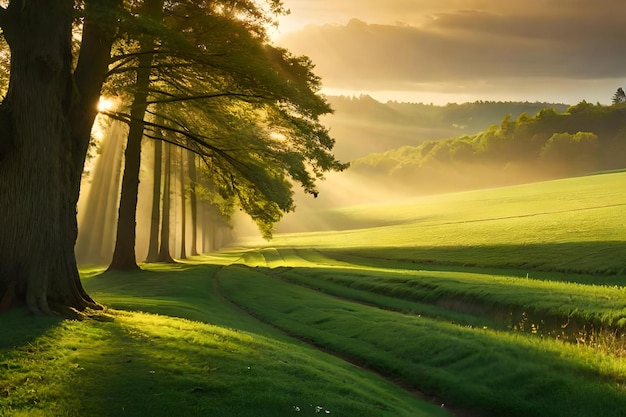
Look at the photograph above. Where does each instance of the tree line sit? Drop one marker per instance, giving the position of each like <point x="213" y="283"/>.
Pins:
<point x="200" y="76"/>
<point x="583" y="139"/>
<point x="470" y="117"/>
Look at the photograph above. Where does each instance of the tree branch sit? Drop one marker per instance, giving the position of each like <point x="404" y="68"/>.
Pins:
<point x="208" y="96"/>
<point x="127" y="118"/>
<point x="121" y="68"/>
<point x="160" y="51"/>
<point x="238" y="165"/>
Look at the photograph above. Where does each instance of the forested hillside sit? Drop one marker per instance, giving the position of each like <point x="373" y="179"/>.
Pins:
<point x="363" y="125"/>
<point x="583" y="139"/>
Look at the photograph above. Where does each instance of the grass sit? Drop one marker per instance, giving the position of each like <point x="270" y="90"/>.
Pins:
<point x="574" y="225"/>
<point x="477" y="368"/>
<point x="178" y="349"/>
<point x="432" y="294"/>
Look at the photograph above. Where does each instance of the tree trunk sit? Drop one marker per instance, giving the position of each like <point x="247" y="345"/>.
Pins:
<point x="40" y="142"/>
<point x="124" y="257"/>
<point x="164" y="250"/>
<point x="193" y="178"/>
<point x="153" y="248"/>
<point x="183" y="207"/>
<point x="207" y="229"/>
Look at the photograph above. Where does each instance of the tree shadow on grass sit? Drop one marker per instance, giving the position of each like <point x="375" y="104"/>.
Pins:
<point x="185" y="292"/>
<point x="147" y="365"/>
<point x="19" y="327"/>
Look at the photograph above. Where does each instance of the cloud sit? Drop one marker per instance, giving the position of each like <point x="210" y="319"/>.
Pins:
<point x="578" y="40"/>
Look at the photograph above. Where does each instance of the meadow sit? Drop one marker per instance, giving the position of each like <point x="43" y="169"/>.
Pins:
<point x="499" y="302"/>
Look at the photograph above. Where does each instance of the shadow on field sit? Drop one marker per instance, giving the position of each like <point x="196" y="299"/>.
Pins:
<point x="603" y="259"/>
<point x="183" y="291"/>
<point x="136" y="373"/>
<point x="18" y="328"/>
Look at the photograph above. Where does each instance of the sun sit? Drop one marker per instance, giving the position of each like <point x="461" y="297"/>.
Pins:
<point x="107" y="103"/>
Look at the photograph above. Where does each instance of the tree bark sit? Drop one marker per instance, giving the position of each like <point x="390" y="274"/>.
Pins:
<point x="124" y="257"/>
<point x="193" y="179"/>
<point x="183" y="208"/>
<point x="44" y="120"/>
<point x="153" y="248"/>
<point x="164" y="249"/>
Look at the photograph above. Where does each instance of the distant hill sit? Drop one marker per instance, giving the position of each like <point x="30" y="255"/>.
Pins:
<point x="585" y="138"/>
<point x="362" y="125"/>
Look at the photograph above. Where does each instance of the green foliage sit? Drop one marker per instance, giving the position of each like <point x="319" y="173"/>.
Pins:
<point x="250" y="110"/>
<point x="364" y="125"/>
<point x="619" y="97"/>
<point x="576" y="153"/>
<point x="584" y="139"/>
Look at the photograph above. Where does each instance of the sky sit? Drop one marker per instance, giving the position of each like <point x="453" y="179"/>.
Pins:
<point x="440" y="51"/>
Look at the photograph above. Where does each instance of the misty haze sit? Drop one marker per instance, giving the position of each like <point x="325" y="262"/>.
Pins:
<point x="399" y="208"/>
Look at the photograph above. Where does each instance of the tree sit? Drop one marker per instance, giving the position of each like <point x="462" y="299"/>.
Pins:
<point x="164" y="247"/>
<point x="155" y="218"/>
<point x="50" y="105"/>
<point x="183" y="208"/>
<point x="619" y="97"/>
<point x="124" y="252"/>
<point x="251" y="111"/>
<point x="571" y="154"/>
<point x="45" y="123"/>
<point x="193" y="179"/>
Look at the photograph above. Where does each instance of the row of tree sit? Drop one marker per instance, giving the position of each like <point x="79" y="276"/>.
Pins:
<point x="198" y="75"/>
<point x="173" y="192"/>
<point x="470" y="117"/>
<point x="583" y="139"/>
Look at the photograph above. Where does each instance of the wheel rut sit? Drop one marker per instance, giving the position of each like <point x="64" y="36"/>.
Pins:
<point x="415" y="391"/>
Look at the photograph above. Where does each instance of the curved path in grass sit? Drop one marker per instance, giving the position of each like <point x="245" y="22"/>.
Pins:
<point x="350" y="359"/>
<point x="438" y="331"/>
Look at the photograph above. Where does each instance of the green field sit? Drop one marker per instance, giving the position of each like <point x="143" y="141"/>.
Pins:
<point x="502" y="302"/>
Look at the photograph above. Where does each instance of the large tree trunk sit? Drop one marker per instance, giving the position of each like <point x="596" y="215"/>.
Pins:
<point x="124" y="257"/>
<point x="40" y="146"/>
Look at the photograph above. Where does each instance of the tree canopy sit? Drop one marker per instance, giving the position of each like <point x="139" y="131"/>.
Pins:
<point x="248" y="109"/>
<point x="583" y="139"/>
<point x="619" y="97"/>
